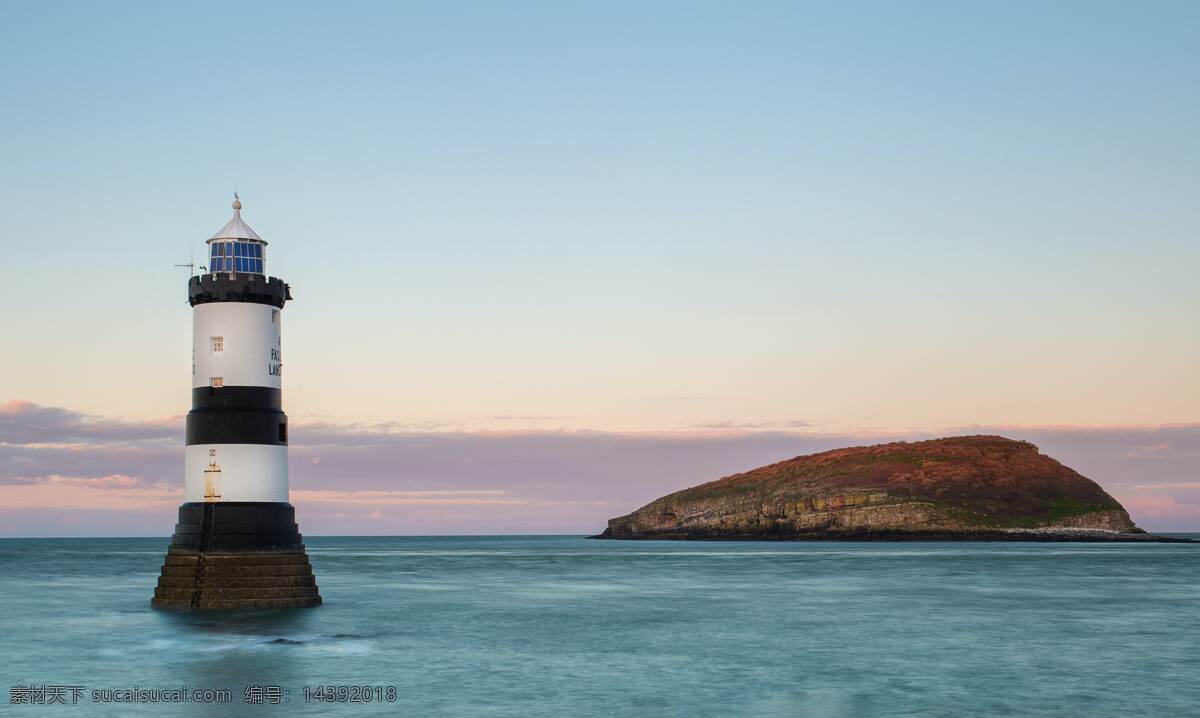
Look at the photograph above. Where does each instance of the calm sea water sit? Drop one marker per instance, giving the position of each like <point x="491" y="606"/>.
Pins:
<point x="562" y="626"/>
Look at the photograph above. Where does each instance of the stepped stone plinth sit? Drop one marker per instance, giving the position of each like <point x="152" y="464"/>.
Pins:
<point x="236" y="555"/>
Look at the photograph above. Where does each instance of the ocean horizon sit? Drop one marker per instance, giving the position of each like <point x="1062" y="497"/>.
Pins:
<point x="554" y="625"/>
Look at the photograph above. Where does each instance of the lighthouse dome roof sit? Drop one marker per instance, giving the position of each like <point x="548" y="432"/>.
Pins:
<point x="236" y="228"/>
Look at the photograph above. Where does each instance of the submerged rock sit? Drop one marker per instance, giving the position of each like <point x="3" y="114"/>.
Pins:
<point x="957" y="488"/>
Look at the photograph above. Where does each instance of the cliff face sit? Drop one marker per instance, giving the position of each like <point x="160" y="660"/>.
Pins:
<point x="959" y="486"/>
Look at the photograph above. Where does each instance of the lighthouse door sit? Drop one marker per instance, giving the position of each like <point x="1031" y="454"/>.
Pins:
<point x="212" y="478"/>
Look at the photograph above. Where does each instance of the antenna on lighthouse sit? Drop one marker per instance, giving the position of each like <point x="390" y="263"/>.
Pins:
<point x="191" y="265"/>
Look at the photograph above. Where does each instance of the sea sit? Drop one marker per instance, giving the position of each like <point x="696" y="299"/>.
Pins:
<point x="565" y="626"/>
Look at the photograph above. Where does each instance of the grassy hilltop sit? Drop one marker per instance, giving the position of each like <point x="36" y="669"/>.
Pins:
<point x="957" y="487"/>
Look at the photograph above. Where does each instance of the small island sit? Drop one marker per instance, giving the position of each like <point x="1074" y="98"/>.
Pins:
<point x="963" y="488"/>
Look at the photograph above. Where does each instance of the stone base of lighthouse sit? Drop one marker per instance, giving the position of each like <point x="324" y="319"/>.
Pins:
<point x="235" y="554"/>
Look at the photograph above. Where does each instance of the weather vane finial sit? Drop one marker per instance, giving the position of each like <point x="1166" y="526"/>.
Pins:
<point x="237" y="203"/>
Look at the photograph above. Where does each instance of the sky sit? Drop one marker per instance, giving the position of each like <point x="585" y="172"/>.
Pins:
<point x="600" y="251"/>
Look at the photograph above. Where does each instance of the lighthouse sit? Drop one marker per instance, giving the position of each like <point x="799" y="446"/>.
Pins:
<point x="236" y="543"/>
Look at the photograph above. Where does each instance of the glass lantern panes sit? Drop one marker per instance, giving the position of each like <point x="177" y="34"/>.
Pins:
<point x="235" y="256"/>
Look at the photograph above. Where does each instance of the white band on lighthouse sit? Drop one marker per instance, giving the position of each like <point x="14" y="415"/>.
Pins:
<point x="236" y="472"/>
<point x="236" y="344"/>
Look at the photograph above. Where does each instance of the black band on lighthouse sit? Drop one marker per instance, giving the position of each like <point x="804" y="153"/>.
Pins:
<point x="237" y="397"/>
<point x="234" y="287"/>
<point x="236" y="426"/>
<point x="238" y="525"/>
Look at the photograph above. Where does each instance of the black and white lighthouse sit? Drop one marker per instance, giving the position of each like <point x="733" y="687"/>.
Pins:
<point x="237" y="544"/>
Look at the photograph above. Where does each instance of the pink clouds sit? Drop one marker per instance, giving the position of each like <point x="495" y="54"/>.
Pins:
<point x="28" y="423"/>
<point x="112" y="481"/>
<point x="755" y="425"/>
<point x="1161" y="509"/>
<point x="1162" y="448"/>
<point x="66" y="473"/>
<point x="407" y="498"/>
<point x="67" y="493"/>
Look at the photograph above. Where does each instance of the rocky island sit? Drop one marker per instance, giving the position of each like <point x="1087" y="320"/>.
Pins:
<point x="969" y="488"/>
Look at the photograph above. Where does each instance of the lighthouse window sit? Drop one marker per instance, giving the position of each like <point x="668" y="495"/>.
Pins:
<point x="218" y="344"/>
<point x="236" y="257"/>
<point x="218" y="261"/>
<point x="217" y="382"/>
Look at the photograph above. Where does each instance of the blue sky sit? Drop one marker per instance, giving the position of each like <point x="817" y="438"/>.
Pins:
<point x="632" y="217"/>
